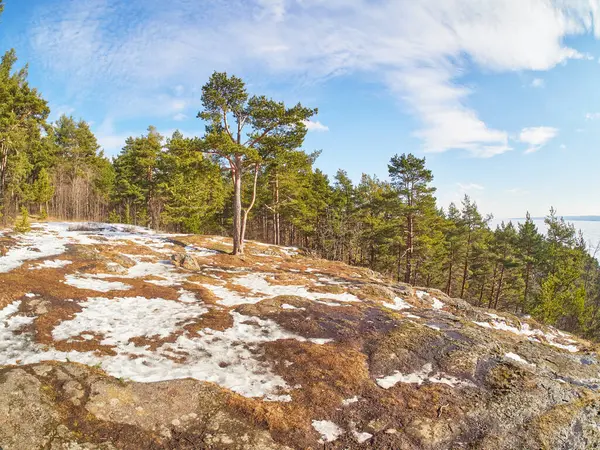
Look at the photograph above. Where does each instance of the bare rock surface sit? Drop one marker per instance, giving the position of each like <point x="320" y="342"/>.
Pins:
<point x="115" y="337"/>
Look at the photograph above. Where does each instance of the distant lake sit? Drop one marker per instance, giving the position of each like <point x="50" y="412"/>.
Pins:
<point x="590" y="229"/>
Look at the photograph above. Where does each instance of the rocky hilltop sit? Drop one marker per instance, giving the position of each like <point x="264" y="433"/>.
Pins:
<point x="115" y="337"/>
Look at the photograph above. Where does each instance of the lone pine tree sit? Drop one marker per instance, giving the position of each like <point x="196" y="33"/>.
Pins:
<point x="244" y="133"/>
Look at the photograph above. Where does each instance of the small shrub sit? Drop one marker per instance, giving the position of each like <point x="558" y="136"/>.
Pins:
<point x="44" y="214"/>
<point x="22" y="225"/>
<point x="114" y="217"/>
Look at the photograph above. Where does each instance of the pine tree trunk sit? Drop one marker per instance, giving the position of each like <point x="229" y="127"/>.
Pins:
<point x="238" y="248"/>
<point x="449" y="284"/>
<point x="466" y="268"/>
<point x="276" y="218"/>
<point x="499" y="287"/>
<point x="493" y="286"/>
<point x="409" y="250"/>
<point x="526" y="292"/>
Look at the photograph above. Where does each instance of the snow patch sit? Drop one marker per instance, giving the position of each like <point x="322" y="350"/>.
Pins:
<point x="87" y="281"/>
<point x="398" y="305"/>
<point x="52" y="264"/>
<point x="286" y="306"/>
<point x="361" y="437"/>
<point x="328" y="430"/>
<point x="518" y="358"/>
<point x="350" y="401"/>
<point x="260" y="289"/>
<point x="121" y="319"/>
<point x="437" y="304"/>
<point x="420" y="377"/>
<point x="231" y="358"/>
<point x="532" y="334"/>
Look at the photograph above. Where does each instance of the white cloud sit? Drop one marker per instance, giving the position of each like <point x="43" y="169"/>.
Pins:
<point x="470" y="187"/>
<point x="315" y="125"/>
<point x="419" y="49"/>
<point x="60" y="110"/>
<point x="108" y="138"/>
<point x="592" y="116"/>
<point x="563" y="147"/>
<point x="537" y="137"/>
<point x="538" y="83"/>
<point x="179" y="117"/>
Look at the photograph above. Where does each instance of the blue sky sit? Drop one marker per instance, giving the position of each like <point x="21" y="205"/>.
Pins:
<point x="502" y="98"/>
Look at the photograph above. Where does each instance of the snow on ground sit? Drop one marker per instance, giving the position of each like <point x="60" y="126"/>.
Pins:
<point x="361" y="437"/>
<point x="51" y="239"/>
<point x="121" y="319"/>
<point x="33" y="245"/>
<point x="517" y="358"/>
<point x="230" y="358"/>
<point x="412" y="316"/>
<point x="532" y="334"/>
<point x="328" y="430"/>
<point x="350" y="401"/>
<point x="261" y="289"/>
<point x="399" y="304"/>
<point x="87" y="281"/>
<point x="200" y="251"/>
<point x="286" y="306"/>
<point x="435" y="303"/>
<point x="420" y="377"/>
<point x="52" y="264"/>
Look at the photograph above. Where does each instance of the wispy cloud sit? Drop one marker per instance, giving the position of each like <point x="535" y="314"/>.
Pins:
<point x="538" y="83"/>
<point x="315" y="125"/>
<point x="179" y="117"/>
<point x="417" y="49"/>
<point x="592" y="116"/>
<point x="466" y="187"/>
<point x="537" y="137"/>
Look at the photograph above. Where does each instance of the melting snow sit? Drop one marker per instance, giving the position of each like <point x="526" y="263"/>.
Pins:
<point x="437" y="304"/>
<point x="517" y="358"/>
<point x="87" y="281"/>
<point x="286" y="306"/>
<point x="121" y="319"/>
<point x="200" y="251"/>
<point x="398" y="304"/>
<point x="230" y="358"/>
<point x="420" y="377"/>
<point x="532" y="334"/>
<point x="261" y="289"/>
<point x="350" y="401"/>
<point x="52" y="264"/>
<point x="361" y="437"/>
<point x="328" y="430"/>
<point x="33" y="245"/>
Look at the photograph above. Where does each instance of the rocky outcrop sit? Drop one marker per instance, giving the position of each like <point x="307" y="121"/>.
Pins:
<point x="112" y="343"/>
<point x="71" y="406"/>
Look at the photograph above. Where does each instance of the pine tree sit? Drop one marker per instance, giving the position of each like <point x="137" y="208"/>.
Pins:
<point x="23" y="115"/>
<point x="530" y="248"/>
<point x="22" y="225"/>
<point x="472" y="227"/>
<point x="135" y="179"/>
<point x="412" y="181"/>
<point x="273" y="128"/>
<point x="190" y="186"/>
<point x="43" y="190"/>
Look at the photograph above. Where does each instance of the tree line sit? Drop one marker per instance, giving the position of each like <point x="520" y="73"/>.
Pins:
<point x="248" y="176"/>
